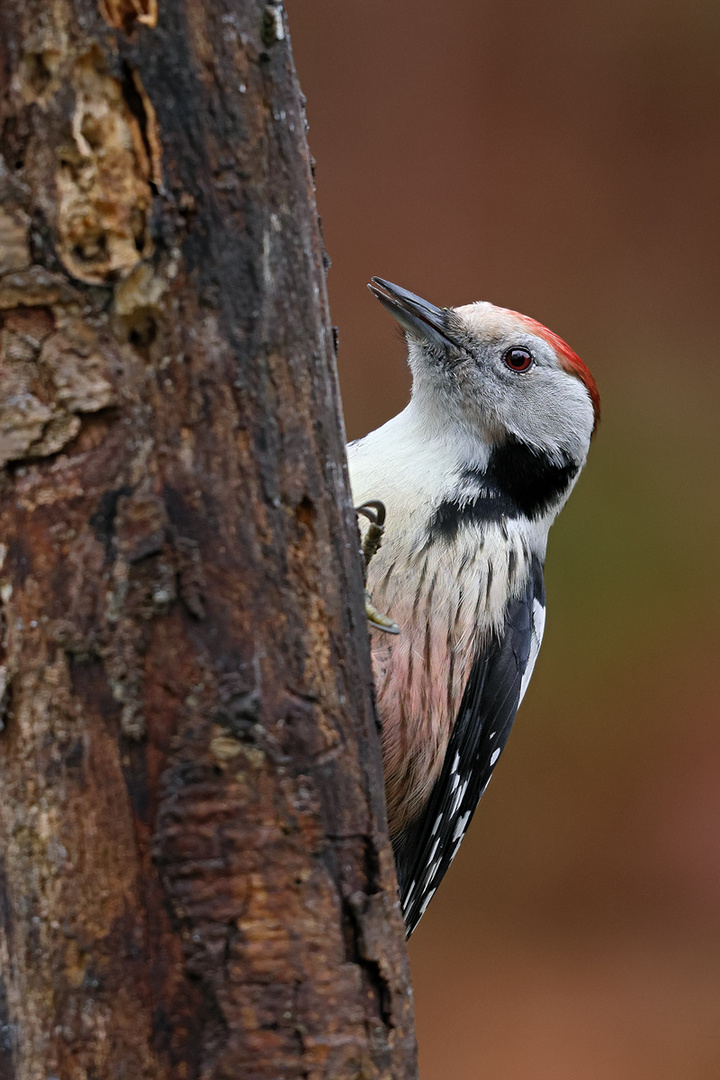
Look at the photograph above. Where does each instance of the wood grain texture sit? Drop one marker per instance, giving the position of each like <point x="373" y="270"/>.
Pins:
<point x="195" y="877"/>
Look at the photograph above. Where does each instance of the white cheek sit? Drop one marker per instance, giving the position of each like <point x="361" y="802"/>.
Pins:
<point x="551" y="411"/>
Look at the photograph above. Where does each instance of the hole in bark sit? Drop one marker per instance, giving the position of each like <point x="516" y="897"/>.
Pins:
<point x="133" y="91"/>
<point x="19" y="557"/>
<point x="240" y="713"/>
<point x="6" y="702"/>
<point x="305" y="511"/>
<point x="36" y="72"/>
<point x="74" y="754"/>
<point x="143" y="330"/>
<point x="102" y="521"/>
<point x="92" y="131"/>
<point x="93" y="248"/>
<point x="14" y="138"/>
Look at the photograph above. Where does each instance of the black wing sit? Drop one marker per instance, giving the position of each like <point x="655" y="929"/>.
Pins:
<point x="425" y="849"/>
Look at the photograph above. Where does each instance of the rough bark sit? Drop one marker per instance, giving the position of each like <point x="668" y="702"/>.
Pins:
<point x="195" y="878"/>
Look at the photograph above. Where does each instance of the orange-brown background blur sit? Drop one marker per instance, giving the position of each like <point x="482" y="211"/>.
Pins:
<point x="561" y="159"/>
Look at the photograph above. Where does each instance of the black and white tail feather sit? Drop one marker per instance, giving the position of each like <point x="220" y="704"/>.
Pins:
<point x="498" y="680"/>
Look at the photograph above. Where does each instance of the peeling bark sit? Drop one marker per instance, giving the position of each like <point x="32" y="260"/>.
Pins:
<point x="195" y="876"/>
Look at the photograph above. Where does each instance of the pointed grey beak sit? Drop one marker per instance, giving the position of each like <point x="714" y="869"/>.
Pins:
<point x="417" y="317"/>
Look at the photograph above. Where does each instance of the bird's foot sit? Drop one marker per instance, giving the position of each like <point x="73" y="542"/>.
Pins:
<point x="377" y="620"/>
<point x="374" y="511"/>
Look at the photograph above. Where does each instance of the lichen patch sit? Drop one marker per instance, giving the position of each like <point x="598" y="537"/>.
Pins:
<point x="47" y="378"/>
<point x="23" y="418"/>
<point x="103" y="180"/>
<point x="35" y="287"/>
<point x="14" y="247"/>
<point x="79" y="368"/>
<point x="40" y="72"/>
<point x="142" y="290"/>
<point x="123" y="14"/>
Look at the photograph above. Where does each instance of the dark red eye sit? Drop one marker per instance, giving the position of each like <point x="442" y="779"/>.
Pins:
<point x="518" y="359"/>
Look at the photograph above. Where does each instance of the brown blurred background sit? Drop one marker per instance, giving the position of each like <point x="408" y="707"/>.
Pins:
<point x="561" y="159"/>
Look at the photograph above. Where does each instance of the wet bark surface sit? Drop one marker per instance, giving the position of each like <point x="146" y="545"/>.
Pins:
<point x="195" y="877"/>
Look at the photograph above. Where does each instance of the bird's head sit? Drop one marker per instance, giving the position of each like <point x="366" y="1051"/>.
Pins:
<point x="495" y="375"/>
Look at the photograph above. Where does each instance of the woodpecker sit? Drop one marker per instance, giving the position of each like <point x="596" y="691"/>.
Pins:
<point x="473" y="472"/>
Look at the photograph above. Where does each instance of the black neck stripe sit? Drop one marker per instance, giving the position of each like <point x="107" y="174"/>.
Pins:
<point x="519" y="481"/>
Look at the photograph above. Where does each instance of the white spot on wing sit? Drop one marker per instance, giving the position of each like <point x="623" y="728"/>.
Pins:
<point x="538" y="625"/>
<point x="425" y="903"/>
<point x="495" y="756"/>
<point x="460" y="827"/>
<point x="459" y="795"/>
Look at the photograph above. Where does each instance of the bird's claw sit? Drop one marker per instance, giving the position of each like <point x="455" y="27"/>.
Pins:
<point x="374" y="511"/>
<point x="377" y="620"/>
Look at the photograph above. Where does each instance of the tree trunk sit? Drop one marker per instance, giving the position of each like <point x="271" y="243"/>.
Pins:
<point x="195" y="877"/>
